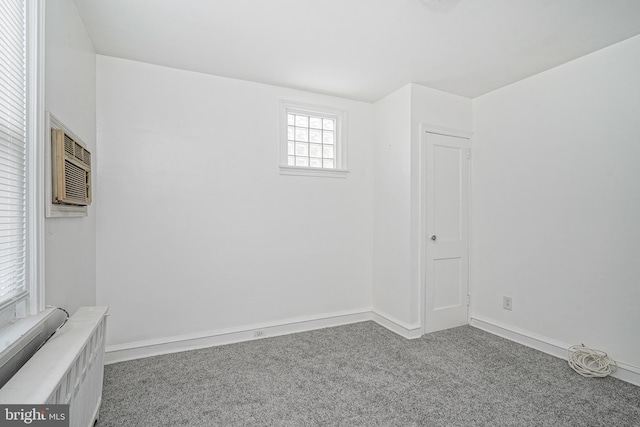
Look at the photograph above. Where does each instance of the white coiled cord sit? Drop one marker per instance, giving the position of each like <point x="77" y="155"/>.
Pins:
<point x="589" y="362"/>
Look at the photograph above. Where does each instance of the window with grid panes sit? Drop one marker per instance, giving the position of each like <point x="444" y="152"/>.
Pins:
<point x="314" y="139"/>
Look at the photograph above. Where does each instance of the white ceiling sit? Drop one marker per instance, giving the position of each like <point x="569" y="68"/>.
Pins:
<point x="360" y="49"/>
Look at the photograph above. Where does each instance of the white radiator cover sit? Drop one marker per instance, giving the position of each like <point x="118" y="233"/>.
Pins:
<point x="68" y="369"/>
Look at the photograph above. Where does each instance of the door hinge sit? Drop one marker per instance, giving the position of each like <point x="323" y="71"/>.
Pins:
<point x="468" y="153"/>
<point x="468" y="300"/>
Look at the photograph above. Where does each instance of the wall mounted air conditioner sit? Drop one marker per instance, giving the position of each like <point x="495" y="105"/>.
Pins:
<point x="71" y="167"/>
<point x="68" y="186"/>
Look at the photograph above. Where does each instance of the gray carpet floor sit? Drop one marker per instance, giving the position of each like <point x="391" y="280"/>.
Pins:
<point x="363" y="375"/>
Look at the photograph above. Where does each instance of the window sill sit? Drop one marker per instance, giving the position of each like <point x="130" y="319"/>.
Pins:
<point x="21" y="330"/>
<point x="318" y="172"/>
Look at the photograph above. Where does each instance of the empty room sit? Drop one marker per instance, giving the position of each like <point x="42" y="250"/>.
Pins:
<point x="320" y="212"/>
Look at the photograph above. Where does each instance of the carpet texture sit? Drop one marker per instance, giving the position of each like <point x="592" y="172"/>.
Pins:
<point x="363" y="375"/>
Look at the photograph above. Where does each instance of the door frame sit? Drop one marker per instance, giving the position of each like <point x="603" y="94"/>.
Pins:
<point x="422" y="206"/>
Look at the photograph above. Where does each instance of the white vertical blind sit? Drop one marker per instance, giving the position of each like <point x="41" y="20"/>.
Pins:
<point x="13" y="113"/>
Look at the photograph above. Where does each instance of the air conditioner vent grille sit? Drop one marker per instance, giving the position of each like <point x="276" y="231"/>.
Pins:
<point x="68" y="144"/>
<point x="75" y="179"/>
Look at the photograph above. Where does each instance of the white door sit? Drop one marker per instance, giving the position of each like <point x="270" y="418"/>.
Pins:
<point x="447" y="226"/>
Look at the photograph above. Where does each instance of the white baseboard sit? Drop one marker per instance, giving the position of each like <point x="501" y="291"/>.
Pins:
<point x="394" y="325"/>
<point x="154" y="347"/>
<point x="148" y="348"/>
<point x="624" y="372"/>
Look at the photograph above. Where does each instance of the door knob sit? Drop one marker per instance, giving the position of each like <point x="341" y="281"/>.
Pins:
<point x="433" y="237"/>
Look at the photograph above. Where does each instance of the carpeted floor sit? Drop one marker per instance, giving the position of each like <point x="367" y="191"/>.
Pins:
<point x="363" y="375"/>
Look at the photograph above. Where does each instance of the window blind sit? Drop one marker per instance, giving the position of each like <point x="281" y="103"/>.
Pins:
<point x="13" y="138"/>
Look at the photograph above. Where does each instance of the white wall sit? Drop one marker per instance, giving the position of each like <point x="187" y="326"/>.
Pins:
<point x="397" y="284"/>
<point x="70" y="94"/>
<point x="556" y="203"/>
<point x="392" y="198"/>
<point x="197" y="230"/>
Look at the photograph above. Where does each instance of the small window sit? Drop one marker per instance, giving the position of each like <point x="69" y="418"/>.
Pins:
<point x="312" y="141"/>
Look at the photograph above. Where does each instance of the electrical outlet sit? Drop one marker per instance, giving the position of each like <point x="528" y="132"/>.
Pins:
<point x="506" y="303"/>
<point x="258" y="334"/>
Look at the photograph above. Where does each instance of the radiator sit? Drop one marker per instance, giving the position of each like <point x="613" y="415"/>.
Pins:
<point x="68" y="369"/>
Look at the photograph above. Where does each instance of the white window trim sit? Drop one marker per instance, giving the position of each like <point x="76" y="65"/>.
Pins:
<point x="340" y="117"/>
<point x="35" y="155"/>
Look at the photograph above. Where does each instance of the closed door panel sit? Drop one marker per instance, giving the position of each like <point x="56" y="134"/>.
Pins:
<point x="447" y="224"/>
<point x="447" y="283"/>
